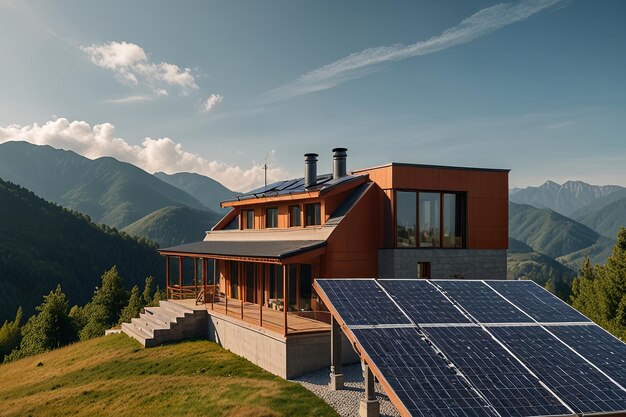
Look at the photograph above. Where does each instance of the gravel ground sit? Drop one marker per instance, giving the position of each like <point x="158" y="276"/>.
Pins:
<point x="345" y="401"/>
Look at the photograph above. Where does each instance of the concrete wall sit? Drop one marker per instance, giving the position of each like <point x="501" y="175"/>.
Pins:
<point x="287" y="358"/>
<point x="444" y="263"/>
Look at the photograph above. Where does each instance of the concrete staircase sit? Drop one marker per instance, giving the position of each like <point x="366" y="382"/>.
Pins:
<point x="166" y="323"/>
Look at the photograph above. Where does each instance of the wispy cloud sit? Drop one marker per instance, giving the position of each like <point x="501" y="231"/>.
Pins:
<point x="161" y="154"/>
<point x="370" y="60"/>
<point x="131" y="65"/>
<point x="130" y="99"/>
<point x="211" y="102"/>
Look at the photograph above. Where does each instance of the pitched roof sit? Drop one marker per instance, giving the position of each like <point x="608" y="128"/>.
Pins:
<point x="325" y="183"/>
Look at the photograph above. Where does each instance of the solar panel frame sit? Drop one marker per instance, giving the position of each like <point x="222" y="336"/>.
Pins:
<point x="481" y="302"/>
<point x="422" y="380"/>
<point x="353" y="295"/>
<point x="603" y="350"/>
<point x="541" y="305"/>
<point x="578" y="383"/>
<point x="511" y="388"/>
<point x="414" y="296"/>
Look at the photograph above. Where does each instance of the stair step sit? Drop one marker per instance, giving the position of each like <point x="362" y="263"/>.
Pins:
<point x="168" y="305"/>
<point x="137" y="334"/>
<point x="148" y="327"/>
<point x="157" y="321"/>
<point x="166" y="316"/>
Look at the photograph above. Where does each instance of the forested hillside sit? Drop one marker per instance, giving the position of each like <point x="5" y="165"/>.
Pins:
<point x="42" y="245"/>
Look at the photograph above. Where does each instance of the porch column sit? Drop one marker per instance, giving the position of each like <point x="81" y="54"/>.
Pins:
<point x="285" y="294"/>
<point x="369" y="406"/>
<point x="205" y="275"/>
<point x="195" y="279"/>
<point x="241" y="272"/>
<point x="336" y="368"/>
<point x="215" y="278"/>
<point x="261" y="289"/>
<point x="167" y="277"/>
<point x="180" y="277"/>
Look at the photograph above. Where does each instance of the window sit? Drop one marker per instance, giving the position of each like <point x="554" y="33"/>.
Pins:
<point x="234" y="280"/>
<point x="247" y="216"/>
<point x="423" y="270"/>
<point x="271" y="217"/>
<point x="313" y="215"/>
<point x="295" y="216"/>
<point x="430" y="219"/>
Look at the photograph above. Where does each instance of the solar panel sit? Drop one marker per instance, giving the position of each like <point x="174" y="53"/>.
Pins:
<point x="484" y="304"/>
<point x="574" y="380"/>
<point x="535" y="301"/>
<point x="421" y="379"/>
<point x="422" y="302"/>
<point x="598" y="347"/>
<point x="501" y="379"/>
<point x="362" y="302"/>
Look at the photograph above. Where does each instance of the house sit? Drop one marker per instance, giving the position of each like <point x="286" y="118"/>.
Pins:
<point x="253" y="273"/>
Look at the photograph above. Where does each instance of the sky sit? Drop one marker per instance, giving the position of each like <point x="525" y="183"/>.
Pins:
<point x="220" y="88"/>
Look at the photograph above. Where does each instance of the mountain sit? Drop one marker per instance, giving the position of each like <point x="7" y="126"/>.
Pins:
<point x="109" y="191"/>
<point x="607" y="219"/>
<point x="597" y="253"/>
<point x="564" y="199"/>
<point x="43" y="244"/>
<point x="174" y="225"/>
<point x="208" y="191"/>
<point x="517" y="246"/>
<point x="548" y="232"/>
<point x="598" y="204"/>
<point x="542" y="269"/>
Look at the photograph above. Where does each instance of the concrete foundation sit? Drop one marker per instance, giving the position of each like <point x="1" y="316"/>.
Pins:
<point x="369" y="408"/>
<point x="289" y="357"/>
<point x="336" y="382"/>
<point x="444" y="263"/>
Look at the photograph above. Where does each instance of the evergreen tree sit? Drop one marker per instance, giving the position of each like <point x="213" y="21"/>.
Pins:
<point x="133" y="309"/>
<point x="10" y="335"/>
<point x="599" y="291"/>
<point x="147" y="291"/>
<point x="49" y="329"/>
<point x="105" y="307"/>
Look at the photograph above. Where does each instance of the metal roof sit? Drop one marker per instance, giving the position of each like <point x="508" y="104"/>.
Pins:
<point x="277" y="249"/>
<point x="295" y="186"/>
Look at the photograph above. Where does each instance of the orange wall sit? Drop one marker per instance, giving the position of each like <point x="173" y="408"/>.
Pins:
<point x="487" y="197"/>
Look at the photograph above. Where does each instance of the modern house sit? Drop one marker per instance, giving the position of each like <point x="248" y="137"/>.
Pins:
<point x="396" y="220"/>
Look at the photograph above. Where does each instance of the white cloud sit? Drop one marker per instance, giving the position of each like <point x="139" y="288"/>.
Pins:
<point x="131" y="65"/>
<point x="211" y="102"/>
<point x="370" y="60"/>
<point x="162" y="154"/>
<point x="129" y="99"/>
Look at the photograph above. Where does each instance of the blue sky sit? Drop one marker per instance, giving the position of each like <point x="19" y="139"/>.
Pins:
<point x="536" y="86"/>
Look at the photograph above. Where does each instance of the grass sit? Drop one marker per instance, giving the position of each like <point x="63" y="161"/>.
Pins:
<point x="114" y="376"/>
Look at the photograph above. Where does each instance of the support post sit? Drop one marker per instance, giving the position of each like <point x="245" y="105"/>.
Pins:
<point x="205" y="275"/>
<point x="369" y="406"/>
<point x="167" y="277"/>
<point x="180" y="277"/>
<point x="285" y="294"/>
<point x="242" y="284"/>
<point x="262" y="292"/>
<point x="215" y="263"/>
<point x="336" y="367"/>
<point x="195" y="280"/>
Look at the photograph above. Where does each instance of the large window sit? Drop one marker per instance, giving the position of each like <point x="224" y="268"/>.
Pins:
<point x="295" y="216"/>
<point x="271" y="217"/>
<point x="430" y="219"/>
<point x="313" y="215"/>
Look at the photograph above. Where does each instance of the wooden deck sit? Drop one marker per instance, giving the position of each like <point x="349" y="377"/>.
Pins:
<point x="272" y="320"/>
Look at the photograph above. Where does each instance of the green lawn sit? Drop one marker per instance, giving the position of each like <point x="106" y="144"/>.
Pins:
<point x="114" y="376"/>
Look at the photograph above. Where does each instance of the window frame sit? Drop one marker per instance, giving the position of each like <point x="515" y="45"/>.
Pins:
<point x="319" y="205"/>
<point x="267" y="217"/>
<point x="244" y="219"/>
<point x="291" y="217"/>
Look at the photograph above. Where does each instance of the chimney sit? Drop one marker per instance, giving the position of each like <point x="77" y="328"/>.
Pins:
<point x="339" y="162"/>
<point x="310" y="169"/>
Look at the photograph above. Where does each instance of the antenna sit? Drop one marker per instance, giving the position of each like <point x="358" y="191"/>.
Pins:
<point x="267" y="155"/>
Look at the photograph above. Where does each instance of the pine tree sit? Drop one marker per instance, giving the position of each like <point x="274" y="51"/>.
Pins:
<point x="10" y="335"/>
<point x="133" y="309"/>
<point x="49" y="329"/>
<point x="147" y="291"/>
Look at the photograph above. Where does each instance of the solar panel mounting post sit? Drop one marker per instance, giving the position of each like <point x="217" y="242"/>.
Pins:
<point x="336" y="367"/>
<point x="369" y="406"/>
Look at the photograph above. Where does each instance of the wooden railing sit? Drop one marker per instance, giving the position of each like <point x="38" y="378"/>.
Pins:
<point x="200" y="293"/>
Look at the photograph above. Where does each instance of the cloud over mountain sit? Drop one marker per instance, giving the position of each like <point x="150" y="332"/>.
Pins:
<point x="160" y="154"/>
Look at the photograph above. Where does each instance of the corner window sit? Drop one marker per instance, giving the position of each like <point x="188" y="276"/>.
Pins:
<point x="430" y="219"/>
<point x="247" y="217"/>
<point x="271" y="217"/>
<point x="295" y="216"/>
<point x="312" y="213"/>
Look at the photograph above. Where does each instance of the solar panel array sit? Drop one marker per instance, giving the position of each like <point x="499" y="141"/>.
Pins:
<point x="469" y="348"/>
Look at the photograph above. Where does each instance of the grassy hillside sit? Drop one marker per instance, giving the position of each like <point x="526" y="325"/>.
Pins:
<point x="109" y="191"/>
<point x="208" y="191"/>
<point x="607" y="219"/>
<point x="172" y="226"/>
<point x="548" y="232"/>
<point x="598" y="253"/>
<point x="541" y="269"/>
<point x="114" y="376"/>
<point x="42" y="245"/>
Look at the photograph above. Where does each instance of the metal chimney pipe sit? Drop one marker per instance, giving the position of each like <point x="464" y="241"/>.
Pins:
<point x="310" y="169"/>
<point x="339" y="162"/>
